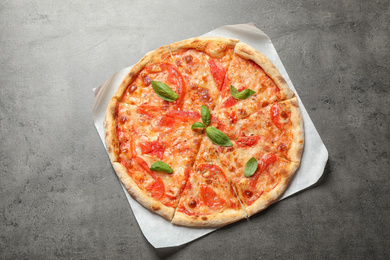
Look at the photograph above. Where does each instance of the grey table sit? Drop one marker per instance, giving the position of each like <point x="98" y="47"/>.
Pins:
<point x="60" y="198"/>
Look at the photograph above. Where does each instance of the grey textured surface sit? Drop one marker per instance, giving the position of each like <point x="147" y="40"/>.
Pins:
<point x="60" y="198"/>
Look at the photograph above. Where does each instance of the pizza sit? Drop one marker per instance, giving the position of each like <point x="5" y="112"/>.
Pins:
<point x="204" y="132"/>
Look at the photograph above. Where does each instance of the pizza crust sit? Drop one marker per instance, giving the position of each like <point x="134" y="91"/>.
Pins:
<point x="150" y="57"/>
<point x="218" y="219"/>
<point x="216" y="47"/>
<point x="272" y="196"/>
<point x="295" y="152"/>
<point x="110" y="124"/>
<point x="141" y="196"/>
<point x="247" y="52"/>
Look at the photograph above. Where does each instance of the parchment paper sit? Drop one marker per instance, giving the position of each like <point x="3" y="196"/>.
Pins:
<point x="160" y="232"/>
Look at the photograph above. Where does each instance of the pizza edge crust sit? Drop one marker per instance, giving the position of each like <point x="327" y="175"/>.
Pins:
<point x="110" y="123"/>
<point x="217" y="219"/>
<point x="271" y="197"/>
<point x="141" y="196"/>
<point x="216" y="47"/>
<point x="249" y="53"/>
<point x="295" y="152"/>
<point x="150" y="57"/>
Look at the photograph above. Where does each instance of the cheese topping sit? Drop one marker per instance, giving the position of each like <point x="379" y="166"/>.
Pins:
<point x="207" y="178"/>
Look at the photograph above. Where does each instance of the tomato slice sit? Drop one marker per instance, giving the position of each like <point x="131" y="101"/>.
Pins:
<point x="178" y="116"/>
<point x="218" y="72"/>
<point x="247" y="141"/>
<point x="157" y="189"/>
<point x="232" y="116"/>
<point x="275" y="115"/>
<point x="156" y="148"/>
<point x="166" y="121"/>
<point x="184" y="116"/>
<point x="210" y="197"/>
<point x="149" y="110"/>
<point x="231" y="101"/>
<point x="145" y="167"/>
<point x="265" y="161"/>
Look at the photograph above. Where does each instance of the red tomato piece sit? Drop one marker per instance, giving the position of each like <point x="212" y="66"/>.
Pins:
<point x="166" y="121"/>
<point x="247" y="141"/>
<point x="178" y="116"/>
<point x="275" y="115"/>
<point x="218" y="72"/>
<point x="231" y="101"/>
<point x="232" y="116"/>
<point x="211" y="198"/>
<point x="184" y="116"/>
<point x="265" y="161"/>
<point x="148" y="110"/>
<point x="157" y="188"/>
<point x="156" y="148"/>
<point x="145" y="166"/>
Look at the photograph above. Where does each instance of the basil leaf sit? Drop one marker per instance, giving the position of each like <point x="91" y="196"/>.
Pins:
<point x="241" y="95"/>
<point x="197" y="125"/>
<point x="161" y="166"/>
<point x="218" y="137"/>
<point x="164" y="91"/>
<point x="205" y="114"/>
<point x="250" y="167"/>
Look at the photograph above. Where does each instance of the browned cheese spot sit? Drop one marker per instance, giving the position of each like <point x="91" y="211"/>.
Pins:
<point x="284" y="114"/>
<point x="281" y="79"/>
<point x="156" y="208"/>
<point x="192" y="204"/>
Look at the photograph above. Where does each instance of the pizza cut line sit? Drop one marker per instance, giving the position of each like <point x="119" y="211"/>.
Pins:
<point x="204" y="132"/>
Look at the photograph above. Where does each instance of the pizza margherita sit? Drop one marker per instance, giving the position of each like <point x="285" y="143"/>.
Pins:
<point x="204" y="132"/>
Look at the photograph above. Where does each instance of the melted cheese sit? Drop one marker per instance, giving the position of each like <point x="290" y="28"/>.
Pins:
<point x="243" y="74"/>
<point x="180" y="143"/>
<point x="208" y="190"/>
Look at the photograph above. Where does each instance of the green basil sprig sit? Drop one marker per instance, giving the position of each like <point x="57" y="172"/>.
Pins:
<point x="250" y="167"/>
<point x="164" y="91"/>
<point x="198" y="125"/>
<point x="218" y="137"/>
<point x="161" y="166"/>
<point x="205" y="114"/>
<point x="244" y="94"/>
<point x="206" y="118"/>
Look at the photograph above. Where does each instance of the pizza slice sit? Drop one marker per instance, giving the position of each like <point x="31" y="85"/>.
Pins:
<point x="203" y="63"/>
<point x="260" y="188"/>
<point x="267" y="183"/>
<point x="208" y="199"/>
<point x="137" y="137"/>
<point x="276" y="128"/>
<point x="251" y="72"/>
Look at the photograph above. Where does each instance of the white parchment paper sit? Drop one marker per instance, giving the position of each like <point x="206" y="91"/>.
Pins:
<point x="160" y="232"/>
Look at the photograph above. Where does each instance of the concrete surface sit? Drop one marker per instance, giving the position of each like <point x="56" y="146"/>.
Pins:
<point x="60" y="198"/>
